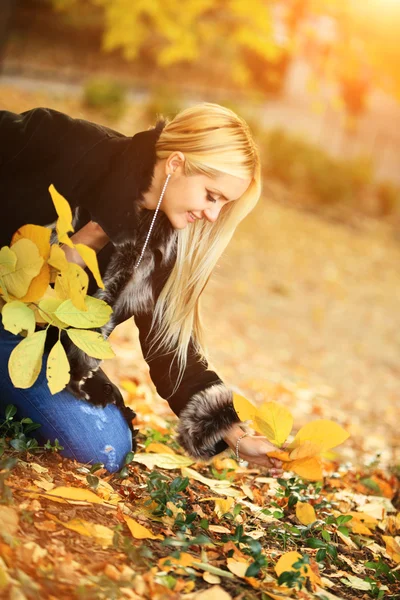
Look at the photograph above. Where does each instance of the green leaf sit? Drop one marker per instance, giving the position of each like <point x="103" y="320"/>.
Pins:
<point x="25" y="360"/>
<point x="17" y="316"/>
<point x="97" y="314"/>
<point x="10" y="411"/>
<point x="91" y="342"/>
<point x="326" y="535"/>
<point x="57" y="370"/>
<point x="316" y="543"/>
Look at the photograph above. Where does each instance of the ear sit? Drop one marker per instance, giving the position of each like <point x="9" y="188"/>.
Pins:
<point x="175" y="161"/>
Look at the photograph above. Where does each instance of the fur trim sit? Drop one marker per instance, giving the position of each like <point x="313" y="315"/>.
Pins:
<point x="205" y="420"/>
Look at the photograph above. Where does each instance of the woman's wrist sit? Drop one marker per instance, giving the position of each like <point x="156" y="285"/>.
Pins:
<point x="233" y="434"/>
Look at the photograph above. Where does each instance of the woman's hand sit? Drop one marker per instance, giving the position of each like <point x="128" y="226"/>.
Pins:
<point x="253" y="449"/>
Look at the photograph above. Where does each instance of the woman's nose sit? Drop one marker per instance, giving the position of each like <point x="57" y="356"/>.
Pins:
<point x="211" y="214"/>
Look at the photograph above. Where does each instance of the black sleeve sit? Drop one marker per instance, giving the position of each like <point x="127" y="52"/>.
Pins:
<point x="202" y="402"/>
<point x="89" y="164"/>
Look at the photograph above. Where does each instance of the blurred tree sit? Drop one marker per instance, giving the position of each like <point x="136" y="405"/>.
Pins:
<point x="254" y="41"/>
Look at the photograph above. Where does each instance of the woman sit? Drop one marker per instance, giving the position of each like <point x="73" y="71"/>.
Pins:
<point x="167" y="201"/>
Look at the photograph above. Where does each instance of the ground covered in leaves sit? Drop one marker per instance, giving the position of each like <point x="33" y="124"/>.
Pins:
<point x="302" y="311"/>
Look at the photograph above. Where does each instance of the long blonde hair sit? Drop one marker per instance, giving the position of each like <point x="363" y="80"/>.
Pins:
<point x="214" y="140"/>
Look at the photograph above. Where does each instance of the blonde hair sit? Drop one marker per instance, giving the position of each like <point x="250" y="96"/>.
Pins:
<point x="214" y="140"/>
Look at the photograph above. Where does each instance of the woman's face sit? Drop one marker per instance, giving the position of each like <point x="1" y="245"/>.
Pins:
<point x="202" y="196"/>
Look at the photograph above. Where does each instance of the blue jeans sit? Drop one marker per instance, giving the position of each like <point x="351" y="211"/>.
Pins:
<point x="89" y="434"/>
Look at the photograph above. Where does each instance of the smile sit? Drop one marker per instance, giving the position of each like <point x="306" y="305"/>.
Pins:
<point x="191" y="219"/>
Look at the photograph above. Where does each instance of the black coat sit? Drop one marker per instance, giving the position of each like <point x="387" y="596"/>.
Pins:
<point x="101" y="173"/>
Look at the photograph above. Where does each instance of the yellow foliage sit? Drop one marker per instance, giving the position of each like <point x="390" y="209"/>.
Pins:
<point x="57" y="371"/>
<point x="39" y="235"/>
<point x="64" y="221"/>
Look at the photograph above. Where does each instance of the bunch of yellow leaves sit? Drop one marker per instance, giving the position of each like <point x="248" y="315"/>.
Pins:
<point x="38" y="286"/>
<point x="302" y="454"/>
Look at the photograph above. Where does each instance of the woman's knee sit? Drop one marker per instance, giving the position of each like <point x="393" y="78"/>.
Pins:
<point x="107" y="439"/>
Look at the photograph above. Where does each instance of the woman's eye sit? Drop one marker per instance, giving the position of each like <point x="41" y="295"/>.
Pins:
<point x="210" y="198"/>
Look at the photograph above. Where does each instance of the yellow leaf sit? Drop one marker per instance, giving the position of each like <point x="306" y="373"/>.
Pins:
<point x="57" y="259"/>
<point x="163" y="461"/>
<point x="73" y="493"/>
<point x="64" y="221"/>
<point x="17" y="317"/>
<point x="167" y="563"/>
<point x="25" y="360"/>
<point x="29" y="263"/>
<point x="274" y="421"/>
<point x="8" y="261"/>
<point x="270" y="419"/>
<point x="102" y="535"/>
<point x="237" y="567"/>
<point x="57" y="370"/>
<point x="97" y="313"/>
<point x="323" y="432"/>
<point x="38" y="285"/>
<point x="309" y="468"/>
<point x="285" y="563"/>
<point x="392" y="547"/>
<point x="280" y="454"/>
<point x="91" y="342"/>
<point x="39" y="235"/>
<point x="305" y="513"/>
<point x="139" y="531"/>
<point x="221" y="486"/>
<point x="244" y="408"/>
<point x="72" y="284"/>
<point x="47" y="309"/>
<point x="223" y="506"/>
<point x="90" y="258"/>
<point x="307" y="449"/>
<point x="159" y="448"/>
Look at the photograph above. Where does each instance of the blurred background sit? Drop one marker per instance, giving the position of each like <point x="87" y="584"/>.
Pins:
<point x="303" y="307"/>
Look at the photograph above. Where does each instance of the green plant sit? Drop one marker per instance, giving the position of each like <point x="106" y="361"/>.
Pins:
<point x="105" y="95"/>
<point x="162" y="492"/>
<point x="14" y="434"/>
<point x="295" y="578"/>
<point x="251" y="547"/>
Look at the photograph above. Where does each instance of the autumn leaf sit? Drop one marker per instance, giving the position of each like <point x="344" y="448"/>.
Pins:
<point x="90" y="258"/>
<point x="25" y="360"/>
<point x="101" y="534"/>
<point x="97" y="313"/>
<point x="326" y="434"/>
<point x="392" y="547"/>
<point x="8" y="261"/>
<point x="47" y="309"/>
<point x="270" y="419"/>
<point x="57" y="258"/>
<point x="64" y="221"/>
<point x="286" y="562"/>
<point x="75" y="493"/>
<point x="17" y="317"/>
<point x="139" y="531"/>
<point x="73" y="284"/>
<point x="28" y="265"/>
<point x="91" y="342"/>
<point x="163" y="461"/>
<point x="58" y="368"/>
<point x="38" y="285"/>
<point x="305" y="513"/>
<point x="39" y="235"/>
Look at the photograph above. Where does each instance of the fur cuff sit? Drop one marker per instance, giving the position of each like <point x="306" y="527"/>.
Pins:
<point x="205" y="420"/>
